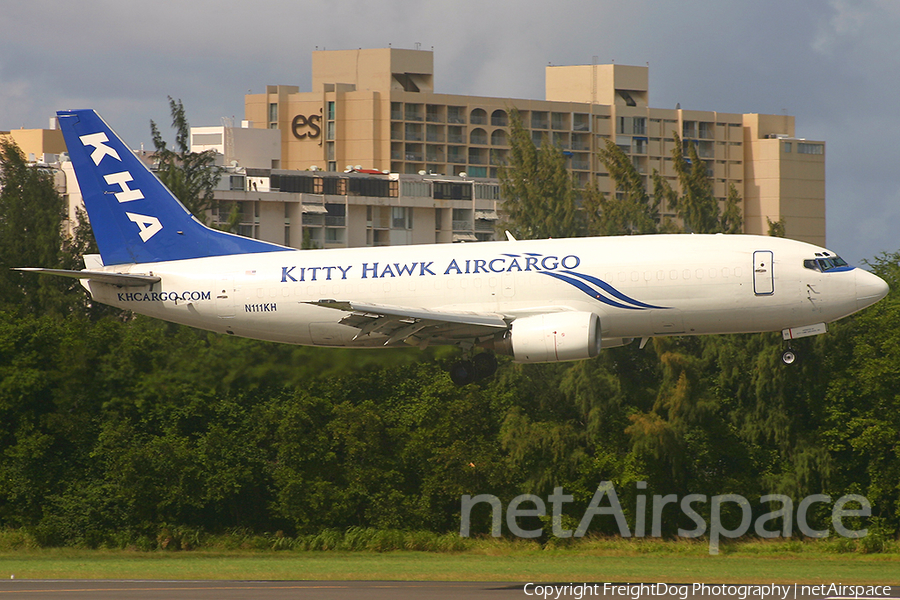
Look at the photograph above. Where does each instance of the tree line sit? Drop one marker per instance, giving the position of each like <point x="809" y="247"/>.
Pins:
<point x="115" y="427"/>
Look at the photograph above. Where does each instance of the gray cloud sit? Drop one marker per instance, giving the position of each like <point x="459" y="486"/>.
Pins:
<point x="834" y="65"/>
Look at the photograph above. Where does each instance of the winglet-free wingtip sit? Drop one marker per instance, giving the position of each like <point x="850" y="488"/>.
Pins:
<point x="510" y="237"/>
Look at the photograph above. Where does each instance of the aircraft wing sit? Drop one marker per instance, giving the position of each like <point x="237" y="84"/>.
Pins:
<point x="119" y="279"/>
<point x="401" y="323"/>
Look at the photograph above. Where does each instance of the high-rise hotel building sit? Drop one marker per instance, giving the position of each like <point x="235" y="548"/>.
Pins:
<point x="377" y="110"/>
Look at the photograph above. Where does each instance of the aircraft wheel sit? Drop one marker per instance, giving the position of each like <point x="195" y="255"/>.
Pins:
<point x="462" y="372"/>
<point x="788" y="357"/>
<point x="485" y="364"/>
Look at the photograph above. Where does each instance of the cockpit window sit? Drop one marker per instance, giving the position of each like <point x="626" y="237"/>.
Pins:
<point x="825" y="263"/>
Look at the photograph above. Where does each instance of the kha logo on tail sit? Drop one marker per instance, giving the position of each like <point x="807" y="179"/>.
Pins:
<point x="149" y="226"/>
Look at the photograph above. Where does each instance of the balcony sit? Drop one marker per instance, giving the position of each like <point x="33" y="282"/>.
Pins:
<point x="580" y="164"/>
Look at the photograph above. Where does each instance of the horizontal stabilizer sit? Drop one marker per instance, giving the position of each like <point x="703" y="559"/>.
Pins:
<point x="120" y="279"/>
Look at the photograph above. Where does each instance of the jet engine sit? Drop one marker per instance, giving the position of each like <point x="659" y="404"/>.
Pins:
<point x="552" y="337"/>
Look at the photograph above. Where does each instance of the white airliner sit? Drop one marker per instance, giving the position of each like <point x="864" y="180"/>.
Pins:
<point x="538" y="301"/>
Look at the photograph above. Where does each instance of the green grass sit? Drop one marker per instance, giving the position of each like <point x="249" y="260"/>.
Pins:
<point x="485" y="560"/>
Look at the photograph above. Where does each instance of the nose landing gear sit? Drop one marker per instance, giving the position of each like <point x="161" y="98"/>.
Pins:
<point x="788" y="357"/>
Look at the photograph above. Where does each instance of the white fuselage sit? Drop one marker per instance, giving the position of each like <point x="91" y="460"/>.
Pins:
<point x="639" y="286"/>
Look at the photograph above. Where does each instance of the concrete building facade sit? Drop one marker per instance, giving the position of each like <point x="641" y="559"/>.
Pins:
<point x="377" y="110"/>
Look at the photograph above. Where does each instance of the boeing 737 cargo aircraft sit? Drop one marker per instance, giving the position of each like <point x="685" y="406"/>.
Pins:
<point x="538" y="301"/>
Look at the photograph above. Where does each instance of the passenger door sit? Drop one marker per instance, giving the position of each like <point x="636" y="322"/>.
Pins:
<point x="763" y="275"/>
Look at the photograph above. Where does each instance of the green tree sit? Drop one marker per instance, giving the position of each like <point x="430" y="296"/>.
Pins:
<point x="31" y="212"/>
<point x="191" y="176"/>
<point x="733" y="217"/>
<point x="697" y="207"/>
<point x="776" y="228"/>
<point x="667" y="198"/>
<point x="631" y="209"/>
<point x="538" y="193"/>
<point x="861" y="411"/>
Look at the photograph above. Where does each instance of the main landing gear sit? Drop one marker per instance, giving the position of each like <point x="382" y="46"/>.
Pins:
<point x="470" y="370"/>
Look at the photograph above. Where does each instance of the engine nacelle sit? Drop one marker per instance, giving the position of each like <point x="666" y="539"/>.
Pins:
<point x="552" y="337"/>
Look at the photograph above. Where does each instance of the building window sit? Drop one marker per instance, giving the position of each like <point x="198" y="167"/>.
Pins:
<point x="329" y="130"/>
<point x="787" y="147"/>
<point x="434" y="113"/>
<point x="639" y="125"/>
<point x="456" y="135"/>
<point x="640" y="145"/>
<point x="462" y="219"/>
<point x="689" y="129"/>
<point x="478" y="117"/>
<point x="803" y="148"/>
<point x="478" y="136"/>
<point x="446" y="190"/>
<point x="337" y="215"/>
<point x="236" y="183"/>
<point x="330" y="110"/>
<point x="414" y="112"/>
<point x="559" y="121"/>
<point x="401" y="217"/>
<point x="456" y="114"/>
<point x="334" y="236"/>
<point x="273" y="112"/>
<point x="581" y="122"/>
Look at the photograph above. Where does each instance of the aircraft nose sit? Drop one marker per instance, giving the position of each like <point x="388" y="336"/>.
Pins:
<point x="870" y="289"/>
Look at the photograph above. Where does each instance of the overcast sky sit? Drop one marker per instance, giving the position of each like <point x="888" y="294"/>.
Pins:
<point x="833" y="64"/>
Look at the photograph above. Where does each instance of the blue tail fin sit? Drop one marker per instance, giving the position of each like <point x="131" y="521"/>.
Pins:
<point x="134" y="217"/>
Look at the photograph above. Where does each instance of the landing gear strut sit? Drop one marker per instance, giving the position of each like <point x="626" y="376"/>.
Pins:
<point x="467" y="371"/>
